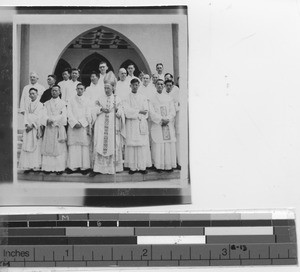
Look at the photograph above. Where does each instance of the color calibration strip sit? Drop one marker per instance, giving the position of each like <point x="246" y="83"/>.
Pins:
<point x="169" y="239"/>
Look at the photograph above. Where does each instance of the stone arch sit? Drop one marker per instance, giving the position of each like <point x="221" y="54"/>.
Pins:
<point x="109" y="29"/>
<point x="60" y="67"/>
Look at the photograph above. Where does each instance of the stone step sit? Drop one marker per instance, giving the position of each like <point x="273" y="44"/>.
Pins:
<point x="120" y="177"/>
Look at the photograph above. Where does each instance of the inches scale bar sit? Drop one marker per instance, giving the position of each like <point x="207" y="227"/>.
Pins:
<point x="171" y="239"/>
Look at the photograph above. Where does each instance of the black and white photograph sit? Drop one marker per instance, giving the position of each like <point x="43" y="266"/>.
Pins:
<point x="101" y="102"/>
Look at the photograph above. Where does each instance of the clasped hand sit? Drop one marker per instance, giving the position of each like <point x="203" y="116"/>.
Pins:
<point x="78" y="125"/>
<point x="105" y="110"/>
<point x="28" y="128"/>
<point x="144" y="112"/>
<point x="164" y="122"/>
<point x="50" y="122"/>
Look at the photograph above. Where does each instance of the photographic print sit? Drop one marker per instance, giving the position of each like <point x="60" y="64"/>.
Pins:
<point x="100" y="106"/>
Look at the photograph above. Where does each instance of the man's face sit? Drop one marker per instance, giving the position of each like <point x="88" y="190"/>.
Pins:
<point x="103" y="68"/>
<point x="108" y="89"/>
<point x="146" y="79"/>
<point x="169" y="86"/>
<point x="159" y="69"/>
<point x="134" y="87"/>
<point x="130" y="69"/>
<point x="80" y="90"/>
<point x="50" y="81"/>
<point x="66" y="75"/>
<point x="33" y="79"/>
<point x="159" y="86"/>
<point x="122" y="74"/>
<point x="141" y="76"/>
<point x="55" y="92"/>
<point x="94" y="78"/>
<point x="154" y="78"/>
<point x="33" y="95"/>
<point x="75" y="75"/>
<point x="168" y="77"/>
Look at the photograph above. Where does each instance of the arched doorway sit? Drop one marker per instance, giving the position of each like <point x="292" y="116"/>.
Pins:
<point x="127" y="62"/>
<point x="90" y="64"/>
<point x="102" y="43"/>
<point x="60" y="67"/>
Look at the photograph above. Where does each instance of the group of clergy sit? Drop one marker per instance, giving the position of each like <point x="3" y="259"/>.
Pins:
<point x="132" y="123"/>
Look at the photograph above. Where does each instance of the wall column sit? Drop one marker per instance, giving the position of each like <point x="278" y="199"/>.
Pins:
<point x="24" y="58"/>
<point x="175" y="51"/>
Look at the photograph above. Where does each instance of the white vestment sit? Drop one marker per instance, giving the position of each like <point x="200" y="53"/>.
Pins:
<point x="54" y="147"/>
<point x="93" y="91"/>
<point x="137" y="150"/>
<point x="161" y="76"/>
<point x="123" y="89"/>
<point x="101" y="83"/>
<point x="64" y="85"/>
<point x="30" y="157"/>
<point x="109" y="132"/>
<point x="174" y="94"/>
<point x="163" y="148"/>
<point x="25" y="99"/>
<point x="70" y="90"/>
<point x="79" y="138"/>
<point x="148" y="91"/>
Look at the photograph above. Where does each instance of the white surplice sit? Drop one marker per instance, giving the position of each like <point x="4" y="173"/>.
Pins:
<point x="148" y="91"/>
<point x="109" y="132"/>
<point x="161" y="76"/>
<point x="123" y="88"/>
<point x="64" y="85"/>
<point x="93" y="91"/>
<point x="174" y="94"/>
<point x="70" y="90"/>
<point x="25" y="99"/>
<point x="54" y="146"/>
<point x="163" y="138"/>
<point x="79" y="138"/>
<point x="30" y="157"/>
<point x="101" y="83"/>
<point x="137" y="150"/>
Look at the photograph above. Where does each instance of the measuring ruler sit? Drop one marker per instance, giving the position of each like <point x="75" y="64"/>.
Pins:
<point x="153" y="239"/>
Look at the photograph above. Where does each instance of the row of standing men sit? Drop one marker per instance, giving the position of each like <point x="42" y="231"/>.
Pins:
<point x="106" y="125"/>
